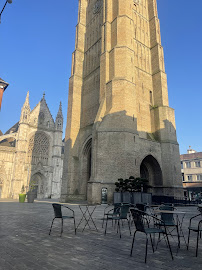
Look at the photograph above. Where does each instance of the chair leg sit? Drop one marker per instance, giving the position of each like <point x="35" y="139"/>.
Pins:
<point x="158" y="241"/>
<point x="106" y="226"/>
<point x="119" y="227"/>
<point x="74" y="225"/>
<point x="152" y="243"/>
<point x="103" y="221"/>
<point x="146" y="249"/>
<point x="61" y="227"/>
<point x="169" y="246"/>
<point x="197" y="244"/>
<point x="131" y="251"/>
<point x="188" y="240"/>
<point x="178" y="236"/>
<point x="129" y="226"/>
<point x="51" y="226"/>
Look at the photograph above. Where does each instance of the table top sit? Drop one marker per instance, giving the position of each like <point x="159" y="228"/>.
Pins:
<point x="88" y="204"/>
<point x="168" y="212"/>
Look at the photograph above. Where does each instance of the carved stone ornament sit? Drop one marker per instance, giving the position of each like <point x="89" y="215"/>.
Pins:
<point x="97" y="6"/>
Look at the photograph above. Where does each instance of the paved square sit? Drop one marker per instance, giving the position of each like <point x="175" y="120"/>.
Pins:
<point x="25" y="243"/>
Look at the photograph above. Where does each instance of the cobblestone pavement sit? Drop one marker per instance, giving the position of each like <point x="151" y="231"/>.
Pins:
<point x="25" y="243"/>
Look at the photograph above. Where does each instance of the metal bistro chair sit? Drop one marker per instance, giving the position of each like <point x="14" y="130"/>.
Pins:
<point x="112" y="212"/>
<point x="122" y="214"/>
<point x="142" y="225"/>
<point x="58" y="214"/>
<point x="197" y="228"/>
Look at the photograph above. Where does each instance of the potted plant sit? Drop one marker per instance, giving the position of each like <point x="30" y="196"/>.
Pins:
<point x="31" y="194"/>
<point x="132" y="190"/>
<point x="22" y="195"/>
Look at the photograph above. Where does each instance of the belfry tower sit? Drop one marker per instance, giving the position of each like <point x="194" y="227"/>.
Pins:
<point x="119" y="122"/>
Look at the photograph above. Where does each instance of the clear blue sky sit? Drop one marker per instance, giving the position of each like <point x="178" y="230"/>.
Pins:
<point x="37" y="40"/>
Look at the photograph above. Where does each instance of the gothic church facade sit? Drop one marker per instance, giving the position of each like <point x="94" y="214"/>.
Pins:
<point x="31" y="153"/>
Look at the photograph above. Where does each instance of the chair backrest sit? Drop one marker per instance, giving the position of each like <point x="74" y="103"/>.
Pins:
<point x="57" y="210"/>
<point x="117" y="208"/>
<point x="141" y="207"/>
<point x="167" y="218"/>
<point x="138" y="220"/>
<point x="124" y="210"/>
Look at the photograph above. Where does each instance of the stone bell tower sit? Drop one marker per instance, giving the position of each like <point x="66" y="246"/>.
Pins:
<point x="119" y="122"/>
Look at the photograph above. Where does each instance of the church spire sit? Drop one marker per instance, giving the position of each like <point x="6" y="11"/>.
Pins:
<point x="60" y="110"/>
<point x="27" y="99"/>
<point x="25" y="112"/>
<point x="59" y="118"/>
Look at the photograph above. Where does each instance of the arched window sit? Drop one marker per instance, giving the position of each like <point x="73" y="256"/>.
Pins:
<point x="38" y="150"/>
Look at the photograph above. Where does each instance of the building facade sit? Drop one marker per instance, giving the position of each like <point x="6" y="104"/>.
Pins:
<point x="119" y="122"/>
<point x="191" y="168"/>
<point x="31" y="153"/>
<point x="3" y="86"/>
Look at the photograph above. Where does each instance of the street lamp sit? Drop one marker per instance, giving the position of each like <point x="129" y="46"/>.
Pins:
<point x="7" y="1"/>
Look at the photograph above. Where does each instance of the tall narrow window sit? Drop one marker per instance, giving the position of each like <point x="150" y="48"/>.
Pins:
<point x="188" y="164"/>
<point x="189" y="177"/>
<point x="197" y="164"/>
<point x="150" y="96"/>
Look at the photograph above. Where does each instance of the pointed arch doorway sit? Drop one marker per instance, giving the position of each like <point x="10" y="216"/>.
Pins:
<point x="86" y="168"/>
<point x="151" y="170"/>
<point x="37" y="183"/>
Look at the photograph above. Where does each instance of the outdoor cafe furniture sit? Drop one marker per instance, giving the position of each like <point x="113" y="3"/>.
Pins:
<point x="120" y="215"/>
<point x="142" y="225"/>
<point x="197" y="227"/>
<point x="167" y="214"/>
<point x="87" y="211"/>
<point x="58" y="214"/>
<point x="115" y="209"/>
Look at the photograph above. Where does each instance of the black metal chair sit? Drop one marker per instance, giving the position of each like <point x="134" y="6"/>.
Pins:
<point x="58" y="214"/>
<point x="143" y="226"/>
<point x="121" y="214"/>
<point x="112" y="212"/>
<point x="195" y="228"/>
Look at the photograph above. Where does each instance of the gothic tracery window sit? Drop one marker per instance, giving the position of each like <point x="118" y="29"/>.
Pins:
<point x="38" y="150"/>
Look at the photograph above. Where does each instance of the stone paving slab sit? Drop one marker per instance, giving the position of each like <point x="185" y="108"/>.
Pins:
<point x="25" y="243"/>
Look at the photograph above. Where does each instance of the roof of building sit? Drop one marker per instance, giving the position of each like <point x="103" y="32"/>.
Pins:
<point x="5" y="83"/>
<point x="13" y="129"/>
<point x="197" y="155"/>
<point x="1" y="133"/>
<point x="10" y="142"/>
